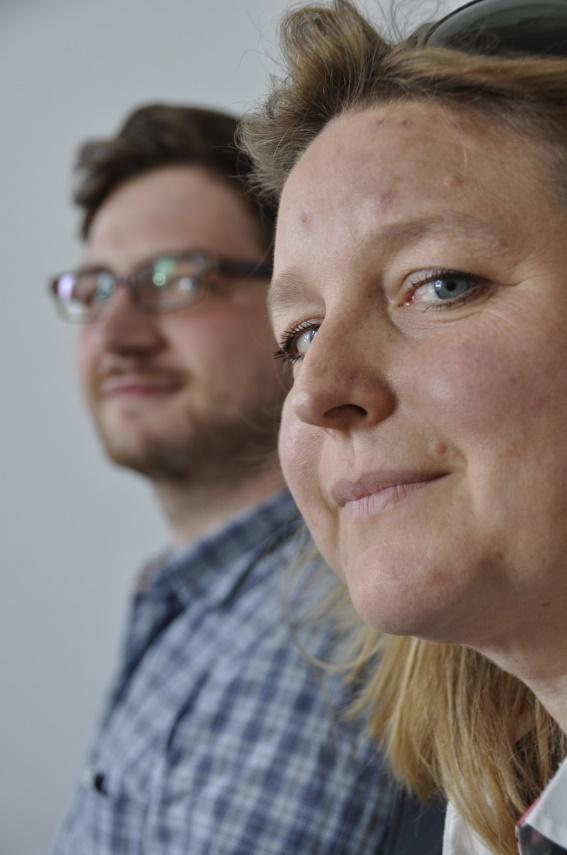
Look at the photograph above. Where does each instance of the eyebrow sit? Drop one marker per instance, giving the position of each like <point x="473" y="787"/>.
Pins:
<point x="290" y="287"/>
<point x="286" y="290"/>
<point x="103" y="267"/>
<point x="92" y="268"/>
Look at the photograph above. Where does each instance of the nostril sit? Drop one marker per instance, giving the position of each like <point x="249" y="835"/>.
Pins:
<point x="345" y="413"/>
<point x="322" y="409"/>
<point x="342" y="403"/>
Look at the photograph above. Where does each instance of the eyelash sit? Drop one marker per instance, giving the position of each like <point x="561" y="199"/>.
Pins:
<point x="478" y="284"/>
<point x="285" y="345"/>
<point x="284" y="351"/>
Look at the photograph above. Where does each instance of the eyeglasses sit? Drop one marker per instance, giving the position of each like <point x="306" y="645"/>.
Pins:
<point x="502" y="28"/>
<point x="172" y="281"/>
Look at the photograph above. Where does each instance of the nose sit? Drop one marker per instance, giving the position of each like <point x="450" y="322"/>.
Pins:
<point x="341" y="384"/>
<point x="127" y="330"/>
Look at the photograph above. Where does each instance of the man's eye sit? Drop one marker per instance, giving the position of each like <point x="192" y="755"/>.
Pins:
<point x="444" y="289"/>
<point x="295" y="342"/>
<point x="183" y="283"/>
<point x="88" y="289"/>
<point x="172" y="275"/>
<point x="105" y="285"/>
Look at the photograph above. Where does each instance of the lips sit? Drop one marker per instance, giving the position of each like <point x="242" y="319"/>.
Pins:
<point x="138" y="385"/>
<point x="374" y="492"/>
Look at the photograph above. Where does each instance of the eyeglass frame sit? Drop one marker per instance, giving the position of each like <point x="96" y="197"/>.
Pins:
<point x="432" y="35"/>
<point x="225" y="266"/>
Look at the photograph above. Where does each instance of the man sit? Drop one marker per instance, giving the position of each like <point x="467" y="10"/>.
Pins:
<point x="219" y="736"/>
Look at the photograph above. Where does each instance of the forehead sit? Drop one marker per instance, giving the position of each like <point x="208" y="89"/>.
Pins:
<point x="389" y="151"/>
<point x="395" y="164"/>
<point x="173" y="208"/>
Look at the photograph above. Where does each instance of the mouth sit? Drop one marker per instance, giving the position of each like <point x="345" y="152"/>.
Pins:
<point x="141" y="386"/>
<point x="376" y="492"/>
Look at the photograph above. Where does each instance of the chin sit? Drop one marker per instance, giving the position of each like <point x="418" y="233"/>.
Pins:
<point x="392" y="618"/>
<point x="127" y="458"/>
<point x="403" y="600"/>
<point x="132" y="449"/>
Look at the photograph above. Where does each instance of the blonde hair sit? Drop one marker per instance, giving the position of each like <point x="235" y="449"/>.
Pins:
<point x="450" y="721"/>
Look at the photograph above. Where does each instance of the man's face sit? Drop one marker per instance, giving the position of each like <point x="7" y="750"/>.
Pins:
<point x="193" y="390"/>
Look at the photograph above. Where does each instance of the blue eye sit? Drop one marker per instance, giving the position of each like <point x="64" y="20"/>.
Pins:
<point x="296" y="342"/>
<point x="452" y="286"/>
<point x="105" y="285"/>
<point x="303" y="340"/>
<point x="444" y="289"/>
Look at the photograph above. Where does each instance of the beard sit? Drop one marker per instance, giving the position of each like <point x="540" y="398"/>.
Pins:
<point x="196" y="448"/>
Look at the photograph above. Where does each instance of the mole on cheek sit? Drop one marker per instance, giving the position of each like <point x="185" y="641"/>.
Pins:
<point x="454" y="182"/>
<point x="305" y="218"/>
<point x="385" y="200"/>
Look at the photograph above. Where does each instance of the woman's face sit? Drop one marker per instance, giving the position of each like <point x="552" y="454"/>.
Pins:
<point x="420" y="291"/>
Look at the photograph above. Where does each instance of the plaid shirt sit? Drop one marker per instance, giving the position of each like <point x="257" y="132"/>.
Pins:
<point x="219" y="737"/>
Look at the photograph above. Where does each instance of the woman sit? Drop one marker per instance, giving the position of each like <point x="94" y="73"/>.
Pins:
<point x="420" y="298"/>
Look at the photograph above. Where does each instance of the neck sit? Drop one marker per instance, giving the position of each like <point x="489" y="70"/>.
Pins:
<point x="539" y="659"/>
<point x="552" y="693"/>
<point x="195" y="508"/>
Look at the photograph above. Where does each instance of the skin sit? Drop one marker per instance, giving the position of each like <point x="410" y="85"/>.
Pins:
<point x="473" y="392"/>
<point x="188" y="398"/>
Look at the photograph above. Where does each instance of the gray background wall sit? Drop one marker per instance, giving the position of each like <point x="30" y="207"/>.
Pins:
<point x="73" y="530"/>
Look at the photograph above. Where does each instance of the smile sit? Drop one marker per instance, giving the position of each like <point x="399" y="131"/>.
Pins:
<point x="137" y="386"/>
<point x="374" y="493"/>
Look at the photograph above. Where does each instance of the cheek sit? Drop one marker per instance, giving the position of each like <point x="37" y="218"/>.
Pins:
<point x="477" y="389"/>
<point x="498" y="402"/>
<point x="232" y="348"/>
<point x="300" y="448"/>
<point x="299" y="456"/>
<point x="85" y="357"/>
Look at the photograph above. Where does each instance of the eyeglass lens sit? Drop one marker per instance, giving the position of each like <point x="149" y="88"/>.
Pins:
<point x="166" y="283"/>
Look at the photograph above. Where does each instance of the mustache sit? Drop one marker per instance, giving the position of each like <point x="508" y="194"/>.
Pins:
<point x="120" y="366"/>
<point x="118" y="372"/>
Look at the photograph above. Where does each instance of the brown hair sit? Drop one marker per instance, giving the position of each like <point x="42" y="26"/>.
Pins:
<point x="158" y="135"/>
<point x="337" y="62"/>
<point x="450" y="720"/>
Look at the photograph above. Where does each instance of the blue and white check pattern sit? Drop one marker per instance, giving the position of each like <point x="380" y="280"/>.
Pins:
<point x="220" y="738"/>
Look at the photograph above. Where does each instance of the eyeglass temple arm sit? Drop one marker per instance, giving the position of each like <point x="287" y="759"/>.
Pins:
<point x="246" y="268"/>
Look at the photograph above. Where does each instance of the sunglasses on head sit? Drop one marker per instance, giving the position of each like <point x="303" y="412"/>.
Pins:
<point x="502" y="28"/>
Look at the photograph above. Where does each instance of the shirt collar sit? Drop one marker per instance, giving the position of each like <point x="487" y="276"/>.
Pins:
<point x="545" y="818"/>
<point x="547" y="815"/>
<point x="214" y="566"/>
<point x="458" y="838"/>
